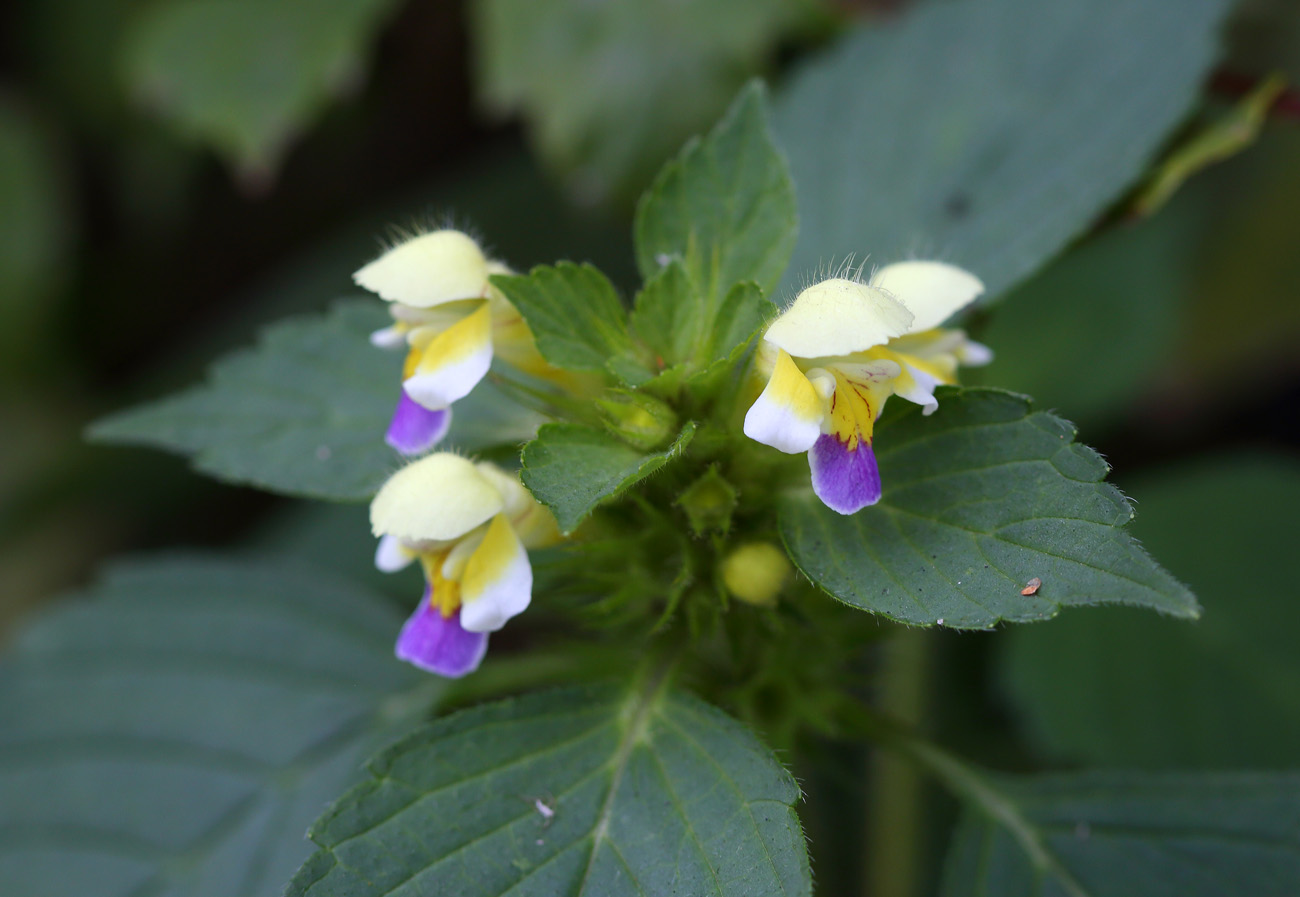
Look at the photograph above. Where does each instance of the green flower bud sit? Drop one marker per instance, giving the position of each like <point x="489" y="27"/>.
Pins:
<point x="638" y="419"/>
<point x="709" y="503"/>
<point x="756" y="572"/>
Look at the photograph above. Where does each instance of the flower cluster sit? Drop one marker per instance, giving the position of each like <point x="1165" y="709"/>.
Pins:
<point x="469" y="525"/>
<point x="841" y="350"/>
<point x="826" y="367"/>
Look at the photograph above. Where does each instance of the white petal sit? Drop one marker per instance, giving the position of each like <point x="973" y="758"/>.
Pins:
<point x="918" y="387"/>
<point x="932" y="291"/>
<point x="788" y="414"/>
<point x="838" y="317"/>
<point x="439" y="497"/>
<point x="973" y="354"/>
<point x="498" y="580"/>
<point x="433" y="268"/>
<point x="453" y="362"/>
<point x="391" y="555"/>
<point x="390" y="337"/>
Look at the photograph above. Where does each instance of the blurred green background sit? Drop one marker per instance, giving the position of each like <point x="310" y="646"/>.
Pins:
<point x="176" y="173"/>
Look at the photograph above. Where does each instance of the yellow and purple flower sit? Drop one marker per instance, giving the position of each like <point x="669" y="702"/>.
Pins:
<point x="449" y="318"/>
<point x="469" y="525"/>
<point x="840" y="350"/>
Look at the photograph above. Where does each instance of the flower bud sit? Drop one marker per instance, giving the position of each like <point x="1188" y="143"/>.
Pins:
<point x="708" y="503"/>
<point x="638" y="419"/>
<point x="755" y="572"/>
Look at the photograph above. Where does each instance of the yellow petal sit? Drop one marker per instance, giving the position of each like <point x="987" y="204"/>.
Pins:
<point x="498" y="580"/>
<point x="433" y="268"/>
<point x="788" y="415"/>
<point x="438" y="498"/>
<point x="932" y="291"/>
<point x="838" y="317"/>
<point x="453" y="362"/>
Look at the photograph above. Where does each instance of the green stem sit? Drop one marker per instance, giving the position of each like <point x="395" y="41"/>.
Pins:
<point x="969" y="785"/>
<point x="895" y="812"/>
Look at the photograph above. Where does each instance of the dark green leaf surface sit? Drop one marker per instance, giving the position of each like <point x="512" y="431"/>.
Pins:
<point x="725" y="207"/>
<point x="571" y="468"/>
<point x="1133" y="835"/>
<point x="1112" y="687"/>
<point x="1088" y="335"/>
<point x="246" y="77"/>
<point x="576" y="316"/>
<point x="304" y="413"/>
<point x="610" y="90"/>
<point x="979" y="498"/>
<point x="176" y="732"/>
<point x="987" y="133"/>
<point x="652" y="793"/>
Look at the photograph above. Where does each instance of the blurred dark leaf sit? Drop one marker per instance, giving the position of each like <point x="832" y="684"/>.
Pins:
<point x="1112" y="687"/>
<point x="610" y="90"/>
<point x="1132" y="835"/>
<point x="177" y="730"/>
<point x="987" y="133"/>
<point x="1089" y="335"/>
<point x="244" y="76"/>
<point x="35" y="231"/>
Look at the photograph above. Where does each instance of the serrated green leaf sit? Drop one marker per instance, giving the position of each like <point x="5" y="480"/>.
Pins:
<point x="665" y="315"/>
<point x="246" y="77"/>
<point x="979" y="498"/>
<point x="742" y="314"/>
<point x="610" y="90"/>
<point x="1132" y="835"/>
<point x="651" y="793"/>
<point x="177" y="730"/>
<point x="946" y="132"/>
<point x="724" y="207"/>
<point x="304" y="413"/>
<point x="571" y="468"/>
<point x="1222" y="693"/>
<point x="577" y="318"/>
<point x="668" y="319"/>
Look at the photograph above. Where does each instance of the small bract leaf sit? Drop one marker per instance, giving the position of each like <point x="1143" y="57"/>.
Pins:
<point x="571" y="468"/>
<point x="980" y="498"/>
<point x="577" y="318"/>
<point x="570" y="792"/>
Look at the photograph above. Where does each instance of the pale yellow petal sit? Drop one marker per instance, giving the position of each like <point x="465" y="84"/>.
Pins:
<point x="932" y="291"/>
<point x="433" y="268"/>
<point x="838" y="317"/>
<point x="437" y="498"/>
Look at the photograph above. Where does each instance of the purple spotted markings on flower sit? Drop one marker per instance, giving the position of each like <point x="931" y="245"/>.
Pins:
<point x="836" y="355"/>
